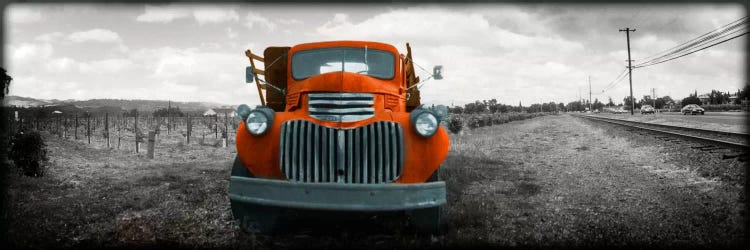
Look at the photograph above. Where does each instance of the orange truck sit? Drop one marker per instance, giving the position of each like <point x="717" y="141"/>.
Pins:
<point x="340" y="127"/>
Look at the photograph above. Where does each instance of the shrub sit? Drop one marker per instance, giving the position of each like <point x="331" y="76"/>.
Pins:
<point x="29" y="153"/>
<point x="455" y="124"/>
<point x="488" y="120"/>
<point x="499" y="119"/>
<point x="474" y="122"/>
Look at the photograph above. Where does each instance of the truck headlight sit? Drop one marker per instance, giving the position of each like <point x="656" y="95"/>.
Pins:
<point x="425" y="123"/>
<point x="259" y="120"/>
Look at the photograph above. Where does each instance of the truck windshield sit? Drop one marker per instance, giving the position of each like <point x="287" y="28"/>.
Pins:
<point x="372" y="62"/>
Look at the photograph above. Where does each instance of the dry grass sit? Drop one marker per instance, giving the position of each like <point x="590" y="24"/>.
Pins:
<point x="547" y="181"/>
<point x="109" y="197"/>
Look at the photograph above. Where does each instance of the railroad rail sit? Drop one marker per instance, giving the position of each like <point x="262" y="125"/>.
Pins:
<point x="724" y="139"/>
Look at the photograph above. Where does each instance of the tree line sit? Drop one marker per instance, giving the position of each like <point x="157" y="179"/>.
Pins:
<point x="492" y="106"/>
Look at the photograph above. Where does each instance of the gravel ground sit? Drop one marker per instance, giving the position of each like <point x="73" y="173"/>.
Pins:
<point x="736" y="122"/>
<point x="549" y="181"/>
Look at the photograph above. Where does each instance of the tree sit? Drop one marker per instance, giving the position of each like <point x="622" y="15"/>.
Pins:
<point x="610" y="103"/>
<point x="475" y="108"/>
<point x="627" y="102"/>
<point x="130" y="113"/>
<point x="742" y="94"/>
<point x="164" y="112"/>
<point x="492" y="105"/>
<point x="692" y="99"/>
<point x="6" y="79"/>
<point x="456" y="110"/>
<point x="597" y="105"/>
<point x="575" y="106"/>
<point x="663" y="102"/>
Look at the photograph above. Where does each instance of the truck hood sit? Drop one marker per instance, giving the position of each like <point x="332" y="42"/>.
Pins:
<point x="344" y="82"/>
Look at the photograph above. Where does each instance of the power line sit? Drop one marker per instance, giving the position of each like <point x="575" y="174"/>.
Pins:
<point x="722" y="32"/>
<point x="615" y="81"/>
<point x="670" y="59"/>
<point x="692" y="40"/>
<point x="694" y="45"/>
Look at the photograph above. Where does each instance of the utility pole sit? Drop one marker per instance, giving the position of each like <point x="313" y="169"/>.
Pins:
<point x="169" y="124"/>
<point x="590" y="95"/>
<point x="653" y="96"/>
<point x="580" y="101"/>
<point x="630" y="70"/>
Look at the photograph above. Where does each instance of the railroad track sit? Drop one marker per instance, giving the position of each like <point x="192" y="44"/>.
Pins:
<point x="722" y="139"/>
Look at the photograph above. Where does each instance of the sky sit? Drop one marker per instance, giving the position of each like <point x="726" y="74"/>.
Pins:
<point x="528" y="53"/>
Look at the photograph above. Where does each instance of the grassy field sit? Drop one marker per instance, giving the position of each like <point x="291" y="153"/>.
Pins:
<point x="546" y="181"/>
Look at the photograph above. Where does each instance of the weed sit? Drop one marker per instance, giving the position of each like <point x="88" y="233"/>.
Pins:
<point x="29" y="153"/>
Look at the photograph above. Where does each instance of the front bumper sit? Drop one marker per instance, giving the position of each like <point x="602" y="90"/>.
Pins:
<point x="336" y="196"/>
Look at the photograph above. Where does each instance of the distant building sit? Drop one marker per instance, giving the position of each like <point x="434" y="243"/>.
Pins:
<point x="705" y="100"/>
<point x="732" y="98"/>
<point x="220" y="112"/>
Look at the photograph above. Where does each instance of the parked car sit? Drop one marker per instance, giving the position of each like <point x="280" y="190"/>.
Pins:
<point x="692" y="109"/>
<point x="647" y="109"/>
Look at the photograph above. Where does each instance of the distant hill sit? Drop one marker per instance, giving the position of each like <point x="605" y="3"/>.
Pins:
<point x="19" y="101"/>
<point x="111" y="105"/>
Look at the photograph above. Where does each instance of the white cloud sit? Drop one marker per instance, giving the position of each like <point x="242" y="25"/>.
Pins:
<point x="291" y="22"/>
<point x="22" y="14"/>
<point x="215" y="15"/>
<point x="96" y="35"/>
<point x="231" y="33"/>
<point x="33" y="86"/>
<point x="162" y="14"/>
<point x="202" y="14"/>
<point x="49" y="37"/>
<point x="60" y="65"/>
<point x="217" y="74"/>
<point x="29" y="51"/>
<point x="105" y="66"/>
<point x="435" y="26"/>
<point x="471" y="49"/>
<point x="253" y="19"/>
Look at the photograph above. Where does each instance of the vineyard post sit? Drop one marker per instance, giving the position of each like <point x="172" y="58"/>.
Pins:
<point x="189" y="129"/>
<point x="76" y="127"/>
<point x="65" y="128"/>
<point x="135" y="130"/>
<point x="169" y="124"/>
<point x="106" y="128"/>
<point x="226" y="130"/>
<point x="151" y="140"/>
<point x="157" y="123"/>
<point x="88" y="127"/>
<point x="118" y="124"/>
<point x="57" y="126"/>
<point x="216" y="126"/>
<point x="10" y="126"/>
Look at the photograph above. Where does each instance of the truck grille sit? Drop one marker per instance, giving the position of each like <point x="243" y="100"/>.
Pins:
<point x="341" y="107"/>
<point x="369" y="154"/>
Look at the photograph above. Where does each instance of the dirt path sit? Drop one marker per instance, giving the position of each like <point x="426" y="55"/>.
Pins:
<point x="556" y="180"/>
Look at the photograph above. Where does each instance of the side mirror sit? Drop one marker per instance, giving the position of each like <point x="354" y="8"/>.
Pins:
<point x="437" y="72"/>
<point x="249" y="75"/>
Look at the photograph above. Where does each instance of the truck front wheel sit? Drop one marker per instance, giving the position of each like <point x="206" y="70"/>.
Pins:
<point x="253" y="217"/>
<point x="428" y="220"/>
